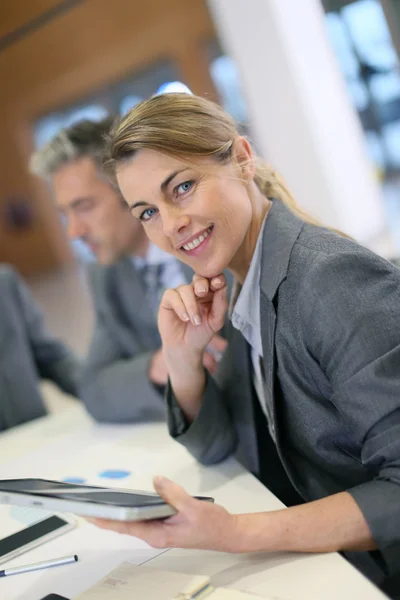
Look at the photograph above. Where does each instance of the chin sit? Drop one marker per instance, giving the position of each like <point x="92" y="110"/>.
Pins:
<point x="210" y="271"/>
<point x="209" y="266"/>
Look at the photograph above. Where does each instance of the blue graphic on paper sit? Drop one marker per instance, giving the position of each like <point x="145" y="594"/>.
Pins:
<point x="114" y="474"/>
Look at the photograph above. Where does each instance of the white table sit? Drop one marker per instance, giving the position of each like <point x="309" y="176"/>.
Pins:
<point x="71" y="444"/>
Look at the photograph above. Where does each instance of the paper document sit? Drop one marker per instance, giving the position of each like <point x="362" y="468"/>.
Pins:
<point x="130" y="582"/>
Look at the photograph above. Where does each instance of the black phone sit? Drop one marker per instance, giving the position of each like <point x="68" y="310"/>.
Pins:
<point x="33" y="535"/>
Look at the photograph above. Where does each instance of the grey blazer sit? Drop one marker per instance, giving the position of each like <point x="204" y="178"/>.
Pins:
<point x="330" y="326"/>
<point x="28" y="353"/>
<point x="114" y="385"/>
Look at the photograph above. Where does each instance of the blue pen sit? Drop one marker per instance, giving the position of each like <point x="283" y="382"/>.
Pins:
<point x="205" y="588"/>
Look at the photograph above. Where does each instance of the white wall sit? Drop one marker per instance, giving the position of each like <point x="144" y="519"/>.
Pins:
<point x="299" y="109"/>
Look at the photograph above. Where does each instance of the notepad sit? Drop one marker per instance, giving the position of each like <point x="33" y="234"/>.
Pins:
<point x="130" y="582"/>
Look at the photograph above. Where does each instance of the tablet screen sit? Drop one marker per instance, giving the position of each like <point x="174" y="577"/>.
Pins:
<point x="81" y="493"/>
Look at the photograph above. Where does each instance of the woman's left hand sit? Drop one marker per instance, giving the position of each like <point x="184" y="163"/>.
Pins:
<point x="197" y="524"/>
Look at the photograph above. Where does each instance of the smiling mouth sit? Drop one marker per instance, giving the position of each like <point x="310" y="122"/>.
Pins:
<point x="197" y="241"/>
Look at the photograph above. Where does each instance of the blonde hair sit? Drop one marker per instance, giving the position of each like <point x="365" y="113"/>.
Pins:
<point x="186" y="126"/>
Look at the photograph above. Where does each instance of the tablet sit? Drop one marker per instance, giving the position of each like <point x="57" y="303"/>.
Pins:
<point x="85" y="500"/>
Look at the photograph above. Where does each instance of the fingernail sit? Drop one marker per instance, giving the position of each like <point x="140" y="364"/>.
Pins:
<point x="201" y="289"/>
<point x="217" y="281"/>
<point x="185" y="316"/>
<point x="197" y="320"/>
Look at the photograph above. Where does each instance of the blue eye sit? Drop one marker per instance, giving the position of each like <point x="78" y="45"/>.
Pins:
<point x="147" y="214"/>
<point x="183" y="188"/>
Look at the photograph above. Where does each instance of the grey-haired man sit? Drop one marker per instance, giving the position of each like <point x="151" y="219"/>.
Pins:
<point x="124" y="374"/>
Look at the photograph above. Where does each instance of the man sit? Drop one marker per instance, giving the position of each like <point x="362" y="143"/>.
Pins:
<point x="27" y="354"/>
<point x="125" y="374"/>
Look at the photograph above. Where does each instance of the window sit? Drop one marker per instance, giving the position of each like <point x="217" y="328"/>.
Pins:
<point x="116" y="99"/>
<point x="361" y="40"/>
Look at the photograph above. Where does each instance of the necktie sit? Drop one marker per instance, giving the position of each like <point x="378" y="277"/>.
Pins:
<point x="154" y="289"/>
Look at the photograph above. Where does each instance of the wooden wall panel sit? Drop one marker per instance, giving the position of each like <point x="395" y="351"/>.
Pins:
<point x="96" y="43"/>
<point x="15" y="14"/>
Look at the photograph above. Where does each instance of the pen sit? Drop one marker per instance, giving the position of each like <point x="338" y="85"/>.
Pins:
<point x="204" y="588"/>
<point x="45" y="564"/>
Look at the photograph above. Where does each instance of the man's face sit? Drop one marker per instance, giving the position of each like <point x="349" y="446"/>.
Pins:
<point x="94" y="212"/>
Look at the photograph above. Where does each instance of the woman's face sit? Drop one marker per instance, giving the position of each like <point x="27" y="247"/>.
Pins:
<point x="200" y="215"/>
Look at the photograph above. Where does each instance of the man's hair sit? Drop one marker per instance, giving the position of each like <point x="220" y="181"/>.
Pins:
<point x="84" y="138"/>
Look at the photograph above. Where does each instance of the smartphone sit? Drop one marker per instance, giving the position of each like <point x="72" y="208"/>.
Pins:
<point x="85" y="500"/>
<point x="33" y="535"/>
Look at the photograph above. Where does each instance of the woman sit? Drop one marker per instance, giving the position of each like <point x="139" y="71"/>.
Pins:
<point x="315" y="341"/>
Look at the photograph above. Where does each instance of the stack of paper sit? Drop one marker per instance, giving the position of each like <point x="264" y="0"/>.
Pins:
<point x="130" y="582"/>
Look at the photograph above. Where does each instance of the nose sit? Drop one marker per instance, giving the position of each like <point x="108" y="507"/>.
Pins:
<point x="75" y="227"/>
<point x="174" y="221"/>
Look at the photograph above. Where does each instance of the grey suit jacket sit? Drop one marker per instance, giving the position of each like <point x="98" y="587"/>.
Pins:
<point x="114" y="385"/>
<point x="28" y="353"/>
<point x="330" y="326"/>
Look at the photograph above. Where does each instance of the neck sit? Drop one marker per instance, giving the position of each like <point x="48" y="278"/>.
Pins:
<point x="241" y="262"/>
<point x="139" y="244"/>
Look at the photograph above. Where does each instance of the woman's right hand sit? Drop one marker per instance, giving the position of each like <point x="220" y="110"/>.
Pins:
<point x="188" y="319"/>
<point x="190" y="316"/>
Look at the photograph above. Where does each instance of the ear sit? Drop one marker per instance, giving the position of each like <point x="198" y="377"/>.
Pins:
<point x="244" y="156"/>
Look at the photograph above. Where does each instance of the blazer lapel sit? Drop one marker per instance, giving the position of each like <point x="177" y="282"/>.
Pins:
<point x="129" y="305"/>
<point x="281" y="231"/>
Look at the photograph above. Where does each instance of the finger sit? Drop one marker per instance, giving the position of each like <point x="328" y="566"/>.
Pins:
<point x="152" y="532"/>
<point x="218" y="309"/>
<point x="189" y="300"/>
<point x="218" y="282"/>
<point x="201" y="285"/>
<point x="218" y="343"/>
<point x="172" y="300"/>
<point x="210" y="363"/>
<point x="118" y="526"/>
<point x="173" y="493"/>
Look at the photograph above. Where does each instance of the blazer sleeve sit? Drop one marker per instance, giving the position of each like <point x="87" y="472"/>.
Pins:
<point x="349" y="308"/>
<point x="212" y="436"/>
<point x="54" y="361"/>
<point x="114" y="387"/>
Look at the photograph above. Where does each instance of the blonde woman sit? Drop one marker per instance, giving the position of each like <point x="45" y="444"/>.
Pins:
<point x="315" y="342"/>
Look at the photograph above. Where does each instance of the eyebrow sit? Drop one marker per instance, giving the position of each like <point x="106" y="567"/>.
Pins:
<point x="80" y="200"/>
<point x="163" y="187"/>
